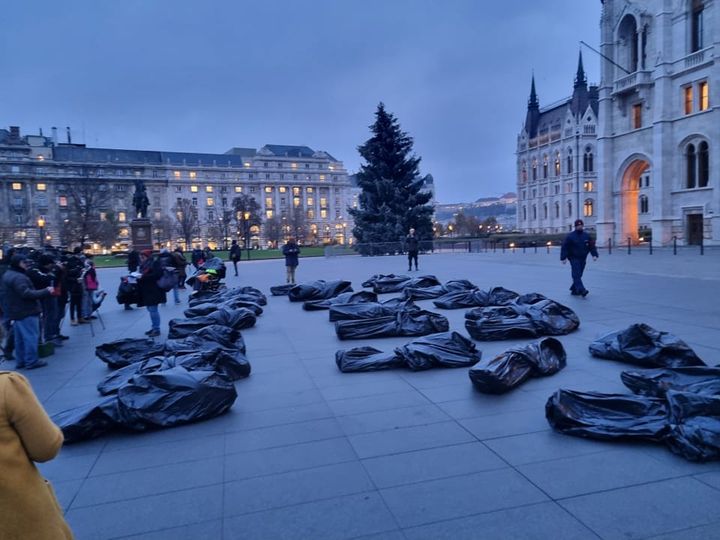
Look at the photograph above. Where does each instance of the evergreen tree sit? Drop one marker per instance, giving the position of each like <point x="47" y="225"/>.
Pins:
<point x="391" y="201"/>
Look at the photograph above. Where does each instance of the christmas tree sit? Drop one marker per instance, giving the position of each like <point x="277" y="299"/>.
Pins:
<point x="392" y="201"/>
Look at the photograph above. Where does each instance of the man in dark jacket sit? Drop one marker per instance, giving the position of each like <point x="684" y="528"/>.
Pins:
<point x="411" y="245"/>
<point x="576" y="247"/>
<point x="197" y="257"/>
<point x="292" y="253"/>
<point x="20" y="299"/>
<point x="151" y="295"/>
<point x="235" y="253"/>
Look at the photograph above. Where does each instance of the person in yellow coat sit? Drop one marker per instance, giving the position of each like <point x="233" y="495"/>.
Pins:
<point x="28" y="507"/>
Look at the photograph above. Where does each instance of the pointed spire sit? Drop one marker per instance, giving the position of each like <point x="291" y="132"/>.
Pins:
<point x="580" y="79"/>
<point x="533" y="101"/>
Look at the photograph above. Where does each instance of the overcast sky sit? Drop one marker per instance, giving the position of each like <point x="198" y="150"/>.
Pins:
<point x="207" y="75"/>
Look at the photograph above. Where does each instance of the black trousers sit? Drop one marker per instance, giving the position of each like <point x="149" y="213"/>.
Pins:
<point x="412" y="255"/>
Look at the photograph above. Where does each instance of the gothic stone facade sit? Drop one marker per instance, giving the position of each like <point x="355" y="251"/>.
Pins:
<point x="659" y="132"/>
<point x="35" y="173"/>
<point x="556" y="165"/>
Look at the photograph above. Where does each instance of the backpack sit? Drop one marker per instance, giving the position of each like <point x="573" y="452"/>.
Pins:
<point x="169" y="279"/>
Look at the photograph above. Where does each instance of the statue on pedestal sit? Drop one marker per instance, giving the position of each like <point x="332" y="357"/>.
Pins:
<point x="140" y="199"/>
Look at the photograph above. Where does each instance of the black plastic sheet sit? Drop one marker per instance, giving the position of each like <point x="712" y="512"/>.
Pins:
<point x="201" y="310"/>
<point x="513" y="367"/>
<point x="467" y="298"/>
<point x="360" y="297"/>
<point x="207" y="338"/>
<point x="642" y="345"/>
<point x="445" y="350"/>
<point x="688" y="423"/>
<point x="237" y="319"/>
<point x="122" y="352"/>
<point x="521" y="321"/>
<point x="154" y="400"/>
<point x="370" y="310"/>
<point x="426" y="293"/>
<point x="402" y="323"/>
<point x="656" y="382"/>
<point x="318" y="290"/>
<point x="393" y="284"/>
<point x="281" y="290"/>
<point x="385" y="279"/>
<point x="249" y="294"/>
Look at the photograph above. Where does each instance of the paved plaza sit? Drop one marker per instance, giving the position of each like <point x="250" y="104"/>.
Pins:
<point x="309" y="452"/>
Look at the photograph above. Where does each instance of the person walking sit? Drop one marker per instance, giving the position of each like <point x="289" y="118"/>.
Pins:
<point x="575" y="248"/>
<point x="291" y="252"/>
<point x="180" y="263"/>
<point x="411" y="245"/>
<point x="235" y="253"/>
<point x="28" y="505"/>
<point x="74" y="283"/>
<point x="21" y="300"/>
<point x="150" y="294"/>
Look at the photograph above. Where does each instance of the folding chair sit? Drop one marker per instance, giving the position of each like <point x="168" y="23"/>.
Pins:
<point x="98" y="297"/>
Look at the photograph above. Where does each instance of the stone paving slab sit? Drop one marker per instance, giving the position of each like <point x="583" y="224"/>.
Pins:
<point x="309" y="452"/>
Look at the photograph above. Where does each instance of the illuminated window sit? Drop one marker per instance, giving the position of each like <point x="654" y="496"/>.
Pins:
<point x="587" y="186"/>
<point x="282" y="189"/>
<point x="238" y="189"/>
<point x="311" y="214"/>
<point x="322" y="177"/>
<point x="704" y="92"/>
<point x="269" y="214"/>
<point x="296" y="191"/>
<point x="62" y="200"/>
<point x="103" y="216"/>
<point x="194" y="189"/>
<point x="41" y="187"/>
<point x="246" y="164"/>
<point x="176" y="174"/>
<point x="210" y="201"/>
<point x="688" y="93"/>
<point x="323" y="201"/>
<point x="637" y="116"/>
<point x="16" y="186"/>
<point x="588" y="208"/>
<point x="309" y="189"/>
<point x="293" y="165"/>
<point x="268" y="189"/>
<point x="296" y="201"/>
<point x="193" y="174"/>
<point x="323" y="214"/>
<point x="557" y="165"/>
<point x="122" y="217"/>
<point x="268" y="202"/>
<point x="310" y="201"/>
<point x="209" y="189"/>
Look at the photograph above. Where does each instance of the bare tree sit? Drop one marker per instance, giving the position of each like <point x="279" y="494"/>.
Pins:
<point x="298" y="224"/>
<point x="273" y="230"/>
<point x="107" y="230"/>
<point x="187" y="224"/>
<point x="220" y="226"/>
<point x="86" y="200"/>
<point x="247" y="215"/>
<point x="164" y="229"/>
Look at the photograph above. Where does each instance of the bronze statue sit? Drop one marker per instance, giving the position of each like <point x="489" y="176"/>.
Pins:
<point x="140" y="199"/>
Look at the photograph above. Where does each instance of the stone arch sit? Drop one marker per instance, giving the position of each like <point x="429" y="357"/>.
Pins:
<point x="628" y="184"/>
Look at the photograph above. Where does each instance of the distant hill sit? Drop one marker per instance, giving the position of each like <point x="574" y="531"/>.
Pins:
<point x="504" y="207"/>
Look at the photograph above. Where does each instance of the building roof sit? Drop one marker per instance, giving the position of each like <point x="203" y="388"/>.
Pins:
<point x="284" y="150"/>
<point x="240" y="151"/>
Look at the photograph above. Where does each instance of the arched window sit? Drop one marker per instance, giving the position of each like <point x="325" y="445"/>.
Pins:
<point x="557" y="209"/>
<point x="703" y="164"/>
<point x="534" y="208"/>
<point x="545" y="167"/>
<point x="524" y="213"/>
<point x="545" y="210"/>
<point x="534" y="169"/>
<point x="523" y="172"/>
<point x="644" y="204"/>
<point x="569" y="209"/>
<point x="557" y="164"/>
<point x="588" y="208"/>
<point x="588" y="160"/>
<point x="628" y="51"/>
<point x="569" y="167"/>
<point x="690" y="161"/>
<point x="696" y="25"/>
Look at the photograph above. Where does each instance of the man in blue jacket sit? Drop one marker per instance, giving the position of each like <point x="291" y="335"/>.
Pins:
<point x="576" y="247"/>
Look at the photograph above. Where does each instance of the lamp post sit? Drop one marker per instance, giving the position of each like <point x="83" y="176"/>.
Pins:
<point x="246" y="223"/>
<point x="41" y="226"/>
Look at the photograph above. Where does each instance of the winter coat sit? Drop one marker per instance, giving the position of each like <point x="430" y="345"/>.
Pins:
<point x="577" y="245"/>
<point x="74" y="273"/>
<point x="180" y="263"/>
<point x="291" y="252"/>
<point x="20" y="298"/>
<point x="133" y="261"/>
<point x="411" y="243"/>
<point x="28" y="505"/>
<point x="235" y="252"/>
<point x="150" y="293"/>
<point x="91" y="282"/>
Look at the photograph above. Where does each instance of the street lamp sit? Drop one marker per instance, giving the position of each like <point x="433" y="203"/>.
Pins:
<point x="41" y="226"/>
<point x="246" y="223"/>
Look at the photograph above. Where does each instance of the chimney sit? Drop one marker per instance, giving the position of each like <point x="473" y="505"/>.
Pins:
<point x="69" y="138"/>
<point x="54" y="135"/>
<point x="40" y="130"/>
<point x="14" y="132"/>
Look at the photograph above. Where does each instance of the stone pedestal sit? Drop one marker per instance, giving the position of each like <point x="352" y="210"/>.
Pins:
<point x="141" y="234"/>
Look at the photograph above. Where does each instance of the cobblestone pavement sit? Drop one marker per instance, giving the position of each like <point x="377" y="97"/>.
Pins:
<point x="309" y="452"/>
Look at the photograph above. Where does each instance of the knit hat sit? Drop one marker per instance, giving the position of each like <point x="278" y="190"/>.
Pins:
<point x="579" y="222"/>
